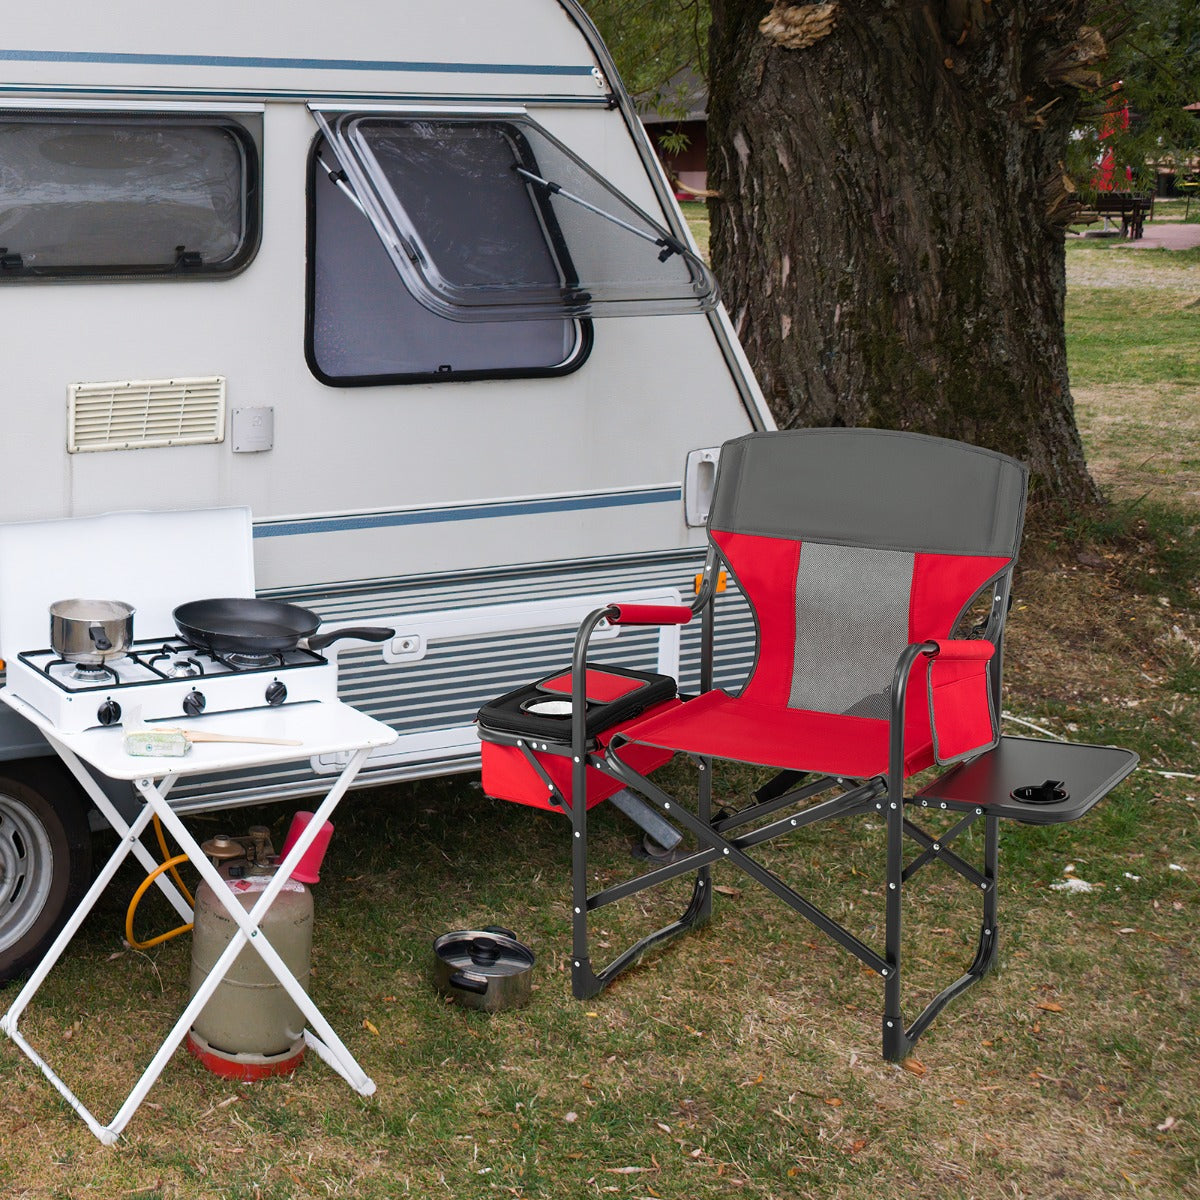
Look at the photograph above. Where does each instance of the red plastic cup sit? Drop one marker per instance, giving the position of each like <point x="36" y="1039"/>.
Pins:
<point x="309" y="867"/>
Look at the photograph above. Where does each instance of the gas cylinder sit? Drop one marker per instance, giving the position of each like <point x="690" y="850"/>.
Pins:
<point x="250" y="1028"/>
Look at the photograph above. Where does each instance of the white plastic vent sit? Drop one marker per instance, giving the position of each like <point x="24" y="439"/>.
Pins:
<point x="137" y="413"/>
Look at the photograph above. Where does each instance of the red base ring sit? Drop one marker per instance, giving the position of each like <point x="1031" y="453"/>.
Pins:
<point x="244" y="1067"/>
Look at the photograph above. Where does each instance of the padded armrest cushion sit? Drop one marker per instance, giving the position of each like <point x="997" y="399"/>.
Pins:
<point x="649" y="614"/>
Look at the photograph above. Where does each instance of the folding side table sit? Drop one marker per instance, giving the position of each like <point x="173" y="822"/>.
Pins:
<point x="321" y="728"/>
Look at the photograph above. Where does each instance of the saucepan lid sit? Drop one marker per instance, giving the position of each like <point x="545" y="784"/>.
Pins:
<point x="483" y="968"/>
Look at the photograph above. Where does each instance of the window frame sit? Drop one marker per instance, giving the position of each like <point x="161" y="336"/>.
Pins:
<point x="317" y="172"/>
<point x="244" y="124"/>
<point x="698" y="293"/>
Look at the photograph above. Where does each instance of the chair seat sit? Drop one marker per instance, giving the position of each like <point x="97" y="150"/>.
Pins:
<point x="718" y="725"/>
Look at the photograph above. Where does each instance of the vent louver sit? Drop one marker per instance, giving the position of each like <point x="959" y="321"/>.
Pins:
<point x="137" y="413"/>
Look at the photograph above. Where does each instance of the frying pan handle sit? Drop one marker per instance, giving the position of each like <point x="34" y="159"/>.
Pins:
<point x="361" y="633"/>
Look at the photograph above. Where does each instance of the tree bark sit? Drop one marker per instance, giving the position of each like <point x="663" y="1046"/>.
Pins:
<point x="890" y="223"/>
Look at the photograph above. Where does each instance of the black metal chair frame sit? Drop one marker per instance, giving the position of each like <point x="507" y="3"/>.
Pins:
<point x="787" y="799"/>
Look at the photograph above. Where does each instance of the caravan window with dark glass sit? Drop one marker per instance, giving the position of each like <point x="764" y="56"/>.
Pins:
<point x="364" y="325"/>
<point x="125" y="195"/>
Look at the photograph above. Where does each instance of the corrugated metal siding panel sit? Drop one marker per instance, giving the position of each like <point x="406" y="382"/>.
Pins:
<point x="447" y="688"/>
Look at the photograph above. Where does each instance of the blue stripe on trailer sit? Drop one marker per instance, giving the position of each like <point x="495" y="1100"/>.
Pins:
<point x="285" y="64"/>
<point x="469" y="512"/>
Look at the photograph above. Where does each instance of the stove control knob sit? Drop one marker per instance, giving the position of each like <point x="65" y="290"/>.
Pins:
<point x="276" y="692"/>
<point x="194" y="703"/>
<point x="109" y="713"/>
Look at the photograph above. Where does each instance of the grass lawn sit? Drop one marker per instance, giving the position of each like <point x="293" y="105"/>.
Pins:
<point x="745" y="1060"/>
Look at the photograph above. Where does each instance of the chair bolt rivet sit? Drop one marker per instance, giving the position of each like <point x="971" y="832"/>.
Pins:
<point x="577" y="835"/>
<point x="892" y="886"/>
<point x="979" y="812"/>
<point x="892" y="805"/>
<point x="942" y="805"/>
<point x="936" y="847"/>
<point x="578" y="910"/>
<point x="793" y="821"/>
<point x="577" y="964"/>
<point x="726" y="850"/>
<point x="890" y="1024"/>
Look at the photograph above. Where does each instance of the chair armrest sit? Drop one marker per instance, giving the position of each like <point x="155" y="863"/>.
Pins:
<point x="648" y="614"/>
<point x="959" y="651"/>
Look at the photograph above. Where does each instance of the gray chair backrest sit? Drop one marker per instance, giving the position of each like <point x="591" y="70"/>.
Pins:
<point x="871" y="487"/>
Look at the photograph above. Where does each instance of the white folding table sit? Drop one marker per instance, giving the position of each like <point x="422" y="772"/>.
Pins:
<point x="322" y="728"/>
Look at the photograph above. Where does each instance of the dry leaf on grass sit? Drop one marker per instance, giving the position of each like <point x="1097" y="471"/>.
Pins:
<point x="1050" y="1006"/>
<point x="914" y="1066"/>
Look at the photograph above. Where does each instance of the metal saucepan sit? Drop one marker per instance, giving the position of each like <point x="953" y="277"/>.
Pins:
<point x="486" y="968"/>
<point x="241" y="625"/>
<point x="90" y="631"/>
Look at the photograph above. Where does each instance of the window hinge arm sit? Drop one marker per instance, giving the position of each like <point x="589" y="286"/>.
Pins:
<point x="669" y="245"/>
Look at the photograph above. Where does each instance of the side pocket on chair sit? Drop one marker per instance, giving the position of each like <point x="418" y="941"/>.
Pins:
<point x="961" y="714"/>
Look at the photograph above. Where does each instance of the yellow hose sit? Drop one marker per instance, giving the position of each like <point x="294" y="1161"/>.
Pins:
<point x="162" y="845"/>
<point x="169" y="864"/>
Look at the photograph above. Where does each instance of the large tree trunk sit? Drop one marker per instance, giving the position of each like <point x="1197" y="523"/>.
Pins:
<point x="889" y="232"/>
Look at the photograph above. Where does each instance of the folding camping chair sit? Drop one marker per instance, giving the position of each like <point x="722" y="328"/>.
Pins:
<point x="860" y="552"/>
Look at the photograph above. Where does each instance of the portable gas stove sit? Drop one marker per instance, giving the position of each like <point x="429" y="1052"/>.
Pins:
<point x="158" y="679"/>
<point x="157" y="561"/>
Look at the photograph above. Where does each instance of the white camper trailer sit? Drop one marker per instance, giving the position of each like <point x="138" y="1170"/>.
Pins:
<point x="409" y="287"/>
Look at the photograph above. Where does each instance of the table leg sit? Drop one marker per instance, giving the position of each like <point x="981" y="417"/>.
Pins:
<point x="8" y="1023"/>
<point x="98" y="797"/>
<point x="325" y="1042"/>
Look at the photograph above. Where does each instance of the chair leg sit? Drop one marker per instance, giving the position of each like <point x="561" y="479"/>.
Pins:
<point x="897" y="1040"/>
<point x="587" y="982"/>
<point x="896" y="1043"/>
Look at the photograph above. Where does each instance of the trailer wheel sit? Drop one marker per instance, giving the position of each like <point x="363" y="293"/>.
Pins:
<point x="45" y="859"/>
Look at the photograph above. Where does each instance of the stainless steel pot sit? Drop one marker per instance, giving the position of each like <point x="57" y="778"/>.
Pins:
<point x="91" y="631"/>
<point x="486" y="969"/>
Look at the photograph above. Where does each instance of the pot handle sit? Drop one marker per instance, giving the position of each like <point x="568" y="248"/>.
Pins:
<point x="466" y="982"/>
<point x="99" y="637"/>
<point x="363" y="633"/>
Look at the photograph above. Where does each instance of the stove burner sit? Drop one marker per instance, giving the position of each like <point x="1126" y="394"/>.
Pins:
<point x="175" y="667"/>
<point x="93" y="673"/>
<point x="245" y="661"/>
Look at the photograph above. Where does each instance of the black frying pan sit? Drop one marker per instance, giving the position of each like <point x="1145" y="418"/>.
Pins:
<point x="241" y="625"/>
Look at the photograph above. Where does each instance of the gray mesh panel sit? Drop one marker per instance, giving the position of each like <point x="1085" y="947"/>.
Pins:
<point x="851" y="625"/>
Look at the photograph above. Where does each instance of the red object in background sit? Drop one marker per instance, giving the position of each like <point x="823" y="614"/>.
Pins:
<point x="1116" y="120"/>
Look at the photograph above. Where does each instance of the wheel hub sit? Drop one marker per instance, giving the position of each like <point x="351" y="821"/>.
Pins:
<point x="25" y="870"/>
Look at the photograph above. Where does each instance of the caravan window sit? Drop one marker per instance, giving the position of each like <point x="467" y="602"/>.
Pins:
<point x="494" y="219"/>
<point x="125" y="195"/>
<point x="364" y="326"/>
